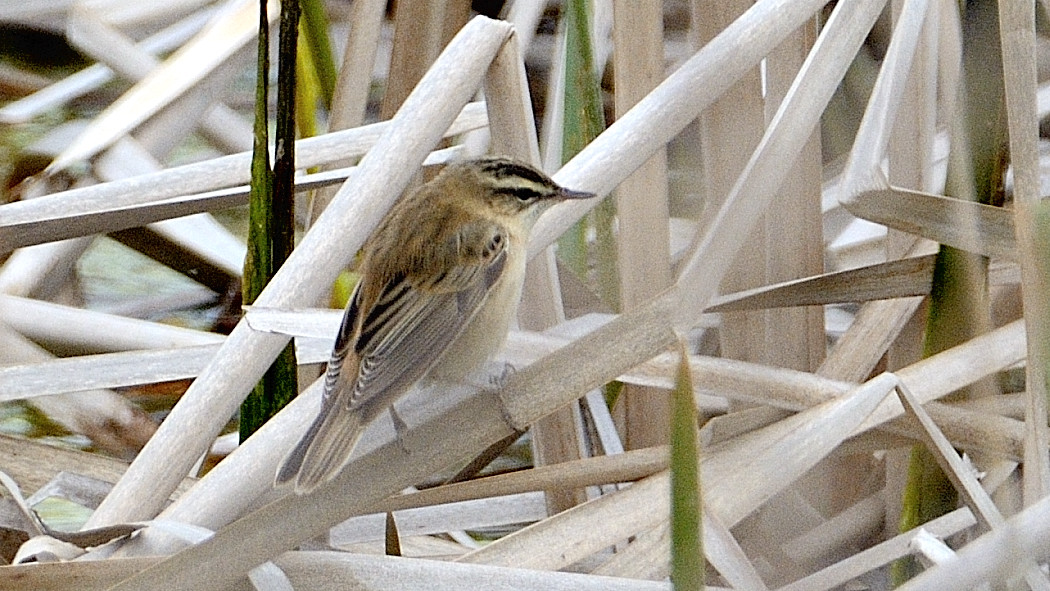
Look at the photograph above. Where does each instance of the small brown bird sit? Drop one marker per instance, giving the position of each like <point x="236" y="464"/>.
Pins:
<point x="440" y="282"/>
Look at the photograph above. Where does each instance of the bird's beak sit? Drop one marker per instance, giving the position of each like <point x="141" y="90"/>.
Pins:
<point x="570" y="194"/>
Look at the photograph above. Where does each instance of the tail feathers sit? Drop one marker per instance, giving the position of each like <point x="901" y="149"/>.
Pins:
<point x="323" y="451"/>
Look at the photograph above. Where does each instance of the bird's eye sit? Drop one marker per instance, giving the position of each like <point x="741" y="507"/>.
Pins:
<point x="522" y="194"/>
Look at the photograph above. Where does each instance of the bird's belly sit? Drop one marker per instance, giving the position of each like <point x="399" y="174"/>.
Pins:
<point x="486" y="332"/>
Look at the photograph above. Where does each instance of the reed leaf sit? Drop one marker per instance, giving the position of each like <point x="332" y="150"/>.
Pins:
<point x="687" y="564"/>
<point x="319" y="48"/>
<point x="584" y="119"/>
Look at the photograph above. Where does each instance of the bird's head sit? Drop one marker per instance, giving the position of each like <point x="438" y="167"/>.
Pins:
<point x="508" y="189"/>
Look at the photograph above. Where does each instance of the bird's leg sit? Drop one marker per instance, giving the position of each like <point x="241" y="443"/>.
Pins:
<point x="499" y="380"/>
<point x="400" y="428"/>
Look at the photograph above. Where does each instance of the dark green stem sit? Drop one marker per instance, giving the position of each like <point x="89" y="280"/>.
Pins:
<point x="271" y="232"/>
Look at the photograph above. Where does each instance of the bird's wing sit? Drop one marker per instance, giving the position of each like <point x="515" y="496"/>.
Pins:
<point x="384" y="348"/>
<point x="413" y="321"/>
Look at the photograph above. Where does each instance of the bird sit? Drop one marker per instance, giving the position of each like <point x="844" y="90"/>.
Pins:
<point x="440" y="281"/>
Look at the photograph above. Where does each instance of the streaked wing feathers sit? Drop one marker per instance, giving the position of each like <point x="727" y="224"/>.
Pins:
<point x="402" y="338"/>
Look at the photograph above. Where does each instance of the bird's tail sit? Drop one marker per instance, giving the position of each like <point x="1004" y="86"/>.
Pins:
<point x="324" y="449"/>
